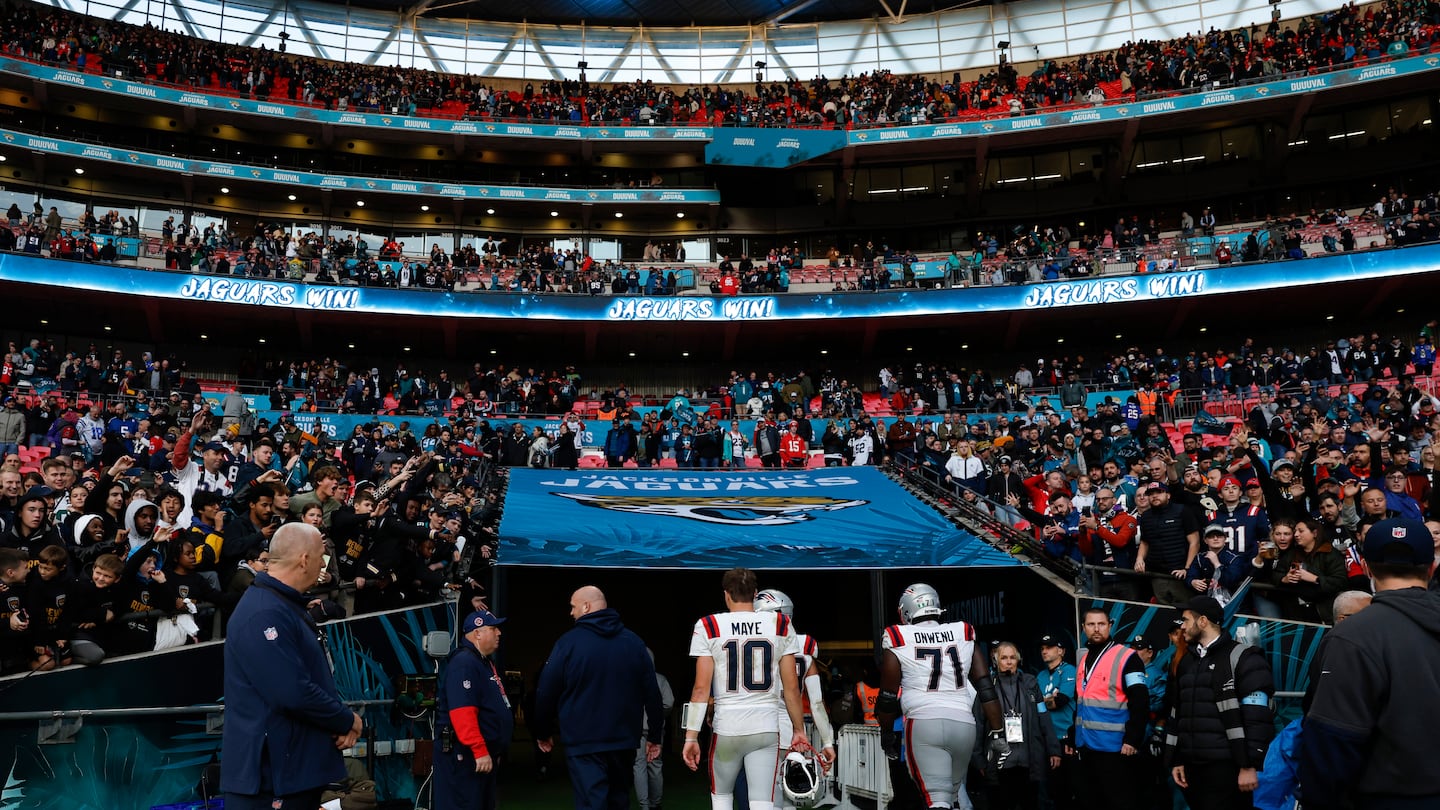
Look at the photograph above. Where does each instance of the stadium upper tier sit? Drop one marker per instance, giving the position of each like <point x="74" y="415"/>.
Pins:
<point x="28" y="274"/>
<point x="1149" y="58"/>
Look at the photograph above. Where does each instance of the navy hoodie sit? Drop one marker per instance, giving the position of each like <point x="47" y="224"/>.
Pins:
<point x="1376" y="699"/>
<point x="597" y="685"/>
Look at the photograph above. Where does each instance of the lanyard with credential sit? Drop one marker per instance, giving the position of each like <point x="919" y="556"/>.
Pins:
<point x="494" y="672"/>
<point x="1006" y="706"/>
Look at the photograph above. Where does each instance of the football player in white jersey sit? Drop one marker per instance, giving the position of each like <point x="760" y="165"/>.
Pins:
<point x="745" y="660"/>
<point x="924" y="675"/>
<point x="806" y="650"/>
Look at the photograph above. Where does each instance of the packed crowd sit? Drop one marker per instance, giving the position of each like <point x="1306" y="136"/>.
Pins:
<point x="1036" y="253"/>
<point x="149" y="518"/>
<point x="146" y="487"/>
<point x="1211" y="375"/>
<point x="269" y="251"/>
<point x="1326" y="447"/>
<point x="1190" y="62"/>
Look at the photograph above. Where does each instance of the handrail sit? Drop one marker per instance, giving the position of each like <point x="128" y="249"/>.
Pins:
<point x="149" y="711"/>
<point x="1009" y="537"/>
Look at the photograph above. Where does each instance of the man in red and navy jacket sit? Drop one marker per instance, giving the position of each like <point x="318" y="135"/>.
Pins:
<point x="474" y="723"/>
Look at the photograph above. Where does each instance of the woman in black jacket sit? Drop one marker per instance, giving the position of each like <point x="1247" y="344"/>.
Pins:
<point x="1309" y="575"/>
<point x="833" y="445"/>
<point x="1034" y="748"/>
<point x="567" y="455"/>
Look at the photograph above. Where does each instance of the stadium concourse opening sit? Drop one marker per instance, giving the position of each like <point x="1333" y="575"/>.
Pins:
<point x="842" y="543"/>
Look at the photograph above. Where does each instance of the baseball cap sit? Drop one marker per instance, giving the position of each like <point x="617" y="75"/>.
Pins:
<point x="1229" y="480"/>
<point x="1209" y="608"/>
<point x="1214" y="528"/>
<point x="1404" y="541"/>
<point x="218" y="447"/>
<point x="1052" y="640"/>
<point x="1156" y="486"/>
<point x="40" y="491"/>
<point x="1141" y="642"/>
<point x="1282" y="462"/>
<point x="1253" y="483"/>
<point x="479" y="619"/>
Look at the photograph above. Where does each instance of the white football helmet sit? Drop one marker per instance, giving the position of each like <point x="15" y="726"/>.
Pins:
<point x="773" y="601"/>
<point x="800" y="779"/>
<point x="919" y="601"/>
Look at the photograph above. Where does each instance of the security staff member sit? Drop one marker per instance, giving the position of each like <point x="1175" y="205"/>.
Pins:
<point x="1221" y="720"/>
<point x="1057" y="686"/>
<point x="473" y="721"/>
<point x="1112" y="708"/>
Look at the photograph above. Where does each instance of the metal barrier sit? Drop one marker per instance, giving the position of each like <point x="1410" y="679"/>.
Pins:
<point x="861" y="769"/>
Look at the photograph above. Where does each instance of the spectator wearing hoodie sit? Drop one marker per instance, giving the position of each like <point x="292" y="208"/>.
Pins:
<point x="964" y="469"/>
<point x="32" y="530"/>
<point x="142" y="597"/>
<point x="597" y="686"/>
<point x="1362" y="732"/>
<point x="142" y="519"/>
<point x="12" y="427"/>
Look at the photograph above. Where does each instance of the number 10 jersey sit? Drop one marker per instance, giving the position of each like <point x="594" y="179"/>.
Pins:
<point x="746" y="648"/>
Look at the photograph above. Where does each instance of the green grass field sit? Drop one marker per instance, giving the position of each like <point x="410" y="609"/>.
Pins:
<point x="522" y="789"/>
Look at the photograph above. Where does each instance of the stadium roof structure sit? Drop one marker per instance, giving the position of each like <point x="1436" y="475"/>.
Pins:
<point x="669" y="12"/>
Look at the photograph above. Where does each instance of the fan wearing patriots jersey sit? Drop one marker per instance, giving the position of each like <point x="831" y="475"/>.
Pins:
<point x="806" y="650"/>
<point x="1246" y="525"/>
<point x="745" y="661"/>
<point x="925" y="674"/>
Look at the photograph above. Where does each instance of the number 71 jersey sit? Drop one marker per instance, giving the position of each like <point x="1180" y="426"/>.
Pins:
<point x="934" y="669"/>
<point x="746" y="648"/>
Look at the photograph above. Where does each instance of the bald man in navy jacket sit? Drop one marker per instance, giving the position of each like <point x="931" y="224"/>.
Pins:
<point x="285" y="724"/>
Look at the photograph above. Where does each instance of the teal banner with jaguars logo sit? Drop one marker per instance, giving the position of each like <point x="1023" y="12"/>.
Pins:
<point x="837" y="517"/>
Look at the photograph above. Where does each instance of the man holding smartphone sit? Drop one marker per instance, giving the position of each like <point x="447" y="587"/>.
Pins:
<point x="1059" y="525"/>
<point x="248" y="536"/>
<point x="1108" y="537"/>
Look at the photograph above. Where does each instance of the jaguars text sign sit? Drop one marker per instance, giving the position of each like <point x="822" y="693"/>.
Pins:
<point x="691" y="309"/>
<point x="834" y="518"/>
<point x="1114" y="290"/>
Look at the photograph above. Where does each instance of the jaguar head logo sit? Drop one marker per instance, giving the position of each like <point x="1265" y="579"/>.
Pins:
<point x="730" y="510"/>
